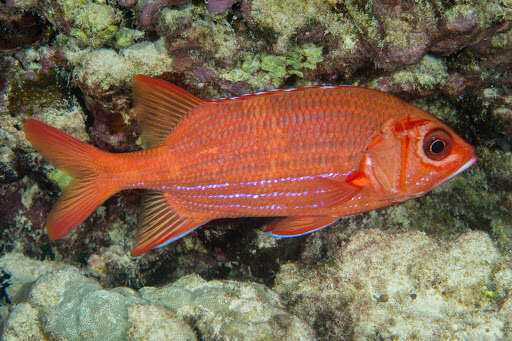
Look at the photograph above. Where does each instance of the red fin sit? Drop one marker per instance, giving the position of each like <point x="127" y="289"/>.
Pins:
<point x="160" y="224"/>
<point x="78" y="159"/>
<point x="338" y="191"/>
<point x="298" y="226"/>
<point x="358" y="179"/>
<point x="159" y="106"/>
<point x="80" y="198"/>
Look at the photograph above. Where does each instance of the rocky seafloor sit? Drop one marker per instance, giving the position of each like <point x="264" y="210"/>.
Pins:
<point x="434" y="268"/>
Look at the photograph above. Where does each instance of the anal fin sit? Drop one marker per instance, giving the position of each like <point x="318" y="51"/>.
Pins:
<point x="160" y="224"/>
<point x="296" y="226"/>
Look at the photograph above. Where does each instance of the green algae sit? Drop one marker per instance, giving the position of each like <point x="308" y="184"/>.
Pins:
<point x="97" y="22"/>
<point x="502" y="40"/>
<point x="60" y="178"/>
<point x="276" y="69"/>
<point x="250" y="65"/>
<point x="126" y="37"/>
<point x="429" y="73"/>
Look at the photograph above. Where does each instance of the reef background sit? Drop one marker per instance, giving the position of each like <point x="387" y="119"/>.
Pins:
<point x="432" y="268"/>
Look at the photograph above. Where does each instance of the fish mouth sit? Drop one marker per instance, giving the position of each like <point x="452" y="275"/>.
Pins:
<point x="465" y="166"/>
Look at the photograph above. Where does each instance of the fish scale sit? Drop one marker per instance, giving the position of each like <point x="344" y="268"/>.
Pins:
<point x="299" y="131"/>
<point x="294" y="150"/>
<point x="312" y="155"/>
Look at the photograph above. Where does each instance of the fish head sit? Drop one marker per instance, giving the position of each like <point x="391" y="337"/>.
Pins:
<point x="415" y="153"/>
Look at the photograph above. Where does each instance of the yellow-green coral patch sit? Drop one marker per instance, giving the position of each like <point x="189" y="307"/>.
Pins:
<point x="275" y="69"/>
<point x="60" y="178"/>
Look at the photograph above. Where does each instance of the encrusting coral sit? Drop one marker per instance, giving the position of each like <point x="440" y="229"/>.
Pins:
<point x="403" y="286"/>
<point x="76" y="307"/>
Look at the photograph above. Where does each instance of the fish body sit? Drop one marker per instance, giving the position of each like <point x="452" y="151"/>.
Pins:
<point x="311" y="155"/>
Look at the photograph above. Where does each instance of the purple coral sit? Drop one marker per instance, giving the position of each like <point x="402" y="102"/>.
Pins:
<point x="47" y="62"/>
<point x="219" y="6"/>
<point x="127" y="3"/>
<point x="204" y="74"/>
<point x="147" y="16"/>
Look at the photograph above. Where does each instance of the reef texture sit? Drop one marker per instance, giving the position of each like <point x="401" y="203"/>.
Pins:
<point x="58" y="302"/>
<point x="378" y="285"/>
<point x="404" y="286"/>
<point x="70" y="64"/>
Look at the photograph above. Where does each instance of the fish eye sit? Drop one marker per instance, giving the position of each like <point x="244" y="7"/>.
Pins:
<point x="437" y="144"/>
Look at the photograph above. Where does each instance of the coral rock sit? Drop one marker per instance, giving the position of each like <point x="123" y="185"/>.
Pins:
<point x="247" y="311"/>
<point x="74" y="307"/>
<point x="403" y="286"/>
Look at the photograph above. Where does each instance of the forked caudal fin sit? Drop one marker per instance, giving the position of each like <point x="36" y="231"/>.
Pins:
<point x="89" y="187"/>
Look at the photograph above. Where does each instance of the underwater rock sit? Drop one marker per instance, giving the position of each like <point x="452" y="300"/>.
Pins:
<point x="421" y="79"/>
<point x="24" y="272"/>
<point x="71" y="306"/>
<point x="230" y="310"/>
<point x="25" y="197"/>
<point x="102" y="70"/>
<point x="86" y="23"/>
<point x="404" y="286"/>
<point x="76" y="308"/>
<point x="198" y="39"/>
<point x="19" y="30"/>
<point x="153" y="323"/>
<point x="104" y="76"/>
<point x="382" y="35"/>
<point x="22" y="323"/>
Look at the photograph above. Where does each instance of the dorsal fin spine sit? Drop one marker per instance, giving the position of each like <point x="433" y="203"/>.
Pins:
<point x="160" y="106"/>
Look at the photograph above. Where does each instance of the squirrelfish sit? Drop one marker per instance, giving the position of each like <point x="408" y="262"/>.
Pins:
<point x="308" y="156"/>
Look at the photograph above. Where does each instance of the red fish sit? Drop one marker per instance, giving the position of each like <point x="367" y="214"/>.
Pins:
<point x="309" y="156"/>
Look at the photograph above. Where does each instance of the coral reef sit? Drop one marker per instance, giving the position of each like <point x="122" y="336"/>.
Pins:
<point x="87" y="23"/>
<point x="74" y="307"/>
<point x="70" y="64"/>
<point x="404" y="286"/>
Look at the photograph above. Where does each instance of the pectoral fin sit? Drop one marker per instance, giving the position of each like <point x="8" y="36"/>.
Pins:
<point x="337" y="192"/>
<point x="298" y="225"/>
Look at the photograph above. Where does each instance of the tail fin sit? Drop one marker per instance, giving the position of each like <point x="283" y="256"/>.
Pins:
<point x="85" y="163"/>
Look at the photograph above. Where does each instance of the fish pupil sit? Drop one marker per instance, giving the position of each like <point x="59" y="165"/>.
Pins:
<point x="437" y="146"/>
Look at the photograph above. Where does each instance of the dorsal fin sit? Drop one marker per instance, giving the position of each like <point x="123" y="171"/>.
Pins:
<point x="159" y="106"/>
